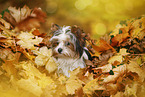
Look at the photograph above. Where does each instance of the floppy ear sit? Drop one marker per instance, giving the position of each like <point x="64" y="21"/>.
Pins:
<point x="80" y="43"/>
<point x="79" y="48"/>
<point x="54" y="27"/>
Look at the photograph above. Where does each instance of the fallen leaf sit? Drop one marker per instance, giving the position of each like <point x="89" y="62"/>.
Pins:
<point x="119" y="38"/>
<point x="51" y="66"/>
<point x="30" y="84"/>
<point x="135" y="68"/>
<point x="93" y="85"/>
<point x="102" y="46"/>
<point x="25" y="39"/>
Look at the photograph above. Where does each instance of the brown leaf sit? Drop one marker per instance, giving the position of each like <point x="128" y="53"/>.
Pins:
<point x="9" y="18"/>
<point x="79" y="93"/>
<point x="119" y="38"/>
<point x="24" y="19"/>
<point x="88" y="62"/>
<point x="4" y="24"/>
<point x="40" y="15"/>
<point x="102" y="46"/>
<point x="27" y="24"/>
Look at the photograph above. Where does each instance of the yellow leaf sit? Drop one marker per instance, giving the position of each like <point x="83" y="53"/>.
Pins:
<point x="51" y="66"/>
<point x="138" y="33"/>
<point x="118" y="58"/>
<point x="118" y="94"/>
<point x="62" y="79"/>
<point x="43" y="56"/>
<point x="134" y="67"/>
<point x="44" y="81"/>
<point x="123" y="51"/>
<point x="93" y="85"/>
<point x="73" y="83"/>
<point x="28" y="40"/>
<point x="28" y="70"/>
<point x="118" y="71"/>
<point x="105" y="68"/>
<point x="19" y="14"/>
<point x="131" y="91"/>
<point x="30" y="85"/>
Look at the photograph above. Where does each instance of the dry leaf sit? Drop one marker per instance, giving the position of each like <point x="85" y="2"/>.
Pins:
<point x="25" y="19"/>
<point x="102" y="46"/>
<point x="135" y="68"/>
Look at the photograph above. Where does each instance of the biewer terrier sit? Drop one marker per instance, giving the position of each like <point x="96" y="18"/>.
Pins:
<point x="67" y="51"/>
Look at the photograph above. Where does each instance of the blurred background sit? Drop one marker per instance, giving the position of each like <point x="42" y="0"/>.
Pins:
<point x="93" y="16"/>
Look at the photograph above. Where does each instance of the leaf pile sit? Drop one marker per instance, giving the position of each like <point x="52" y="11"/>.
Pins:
<point x="119" y="60"/>
<point x="28" y="70"/>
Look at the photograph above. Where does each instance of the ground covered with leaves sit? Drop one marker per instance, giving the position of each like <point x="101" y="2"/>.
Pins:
<point x="117" y="68"/>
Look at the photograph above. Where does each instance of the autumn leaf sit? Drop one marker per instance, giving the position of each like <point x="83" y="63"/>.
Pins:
<point x="51" y="66"/>
<point x="93" y="85"/>
<point x="30" y="84"/>
<point x="43" y="56"/>
<point x="119" y="38"/>
<point x="24" y="19"/>
<point x="102" y="46"/>
<point x="25" y="39"/>
<point x="73" y="83"/>
<point x="131" y="91"/>
<point x="4" y="23"/>
<point x="135" y="68"/>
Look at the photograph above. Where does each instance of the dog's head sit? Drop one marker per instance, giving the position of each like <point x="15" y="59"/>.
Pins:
<point x="64" y="43"/>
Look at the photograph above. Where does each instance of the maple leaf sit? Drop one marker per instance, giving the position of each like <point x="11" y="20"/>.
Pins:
<point x="134" y="67"/>
<point x="9" y="60"/>
<point x="73" y="83"/>
<point x="28" y="40"/>
<point x="93" y="85"/>
<point x="119" y="38"/>
<point x="44" y="59"/>
<point x="4" y="23"/>
<point x="118" y="71"/>
<point x="24" y="19"/>
<point x="51" y="66"/>
<point x="102" y="46"/>
<point x="131" y="91"/>
<point x="30" y="84"/>
<point x="43" y="56"/>
<point x="20" y="13"/>
<point x="118" y="94"/>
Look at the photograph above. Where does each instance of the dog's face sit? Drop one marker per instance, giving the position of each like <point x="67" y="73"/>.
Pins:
<point x="64" y="43"/>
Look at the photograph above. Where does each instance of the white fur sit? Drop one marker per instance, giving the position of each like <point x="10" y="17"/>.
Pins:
<point x="65" y="65"/>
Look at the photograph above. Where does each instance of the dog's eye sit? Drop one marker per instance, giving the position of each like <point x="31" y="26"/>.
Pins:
<point x="55" y="44"/>
<point x="67" y="43"/>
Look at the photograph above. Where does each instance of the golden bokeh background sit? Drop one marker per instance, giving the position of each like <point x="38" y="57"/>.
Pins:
<point x="94" y="16"/>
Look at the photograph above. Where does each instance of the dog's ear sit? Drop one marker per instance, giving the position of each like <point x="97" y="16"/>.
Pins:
<point x="79" y="48"/>
<point x="79" y="35"/>
<point x="80" y="43"/>
<point x="54" y="27"/>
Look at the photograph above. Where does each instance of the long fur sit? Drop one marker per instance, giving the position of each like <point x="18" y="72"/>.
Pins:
<point x="67" y="51"/>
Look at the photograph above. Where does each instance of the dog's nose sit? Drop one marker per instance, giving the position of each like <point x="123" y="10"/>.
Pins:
<point x="60" y="50"/>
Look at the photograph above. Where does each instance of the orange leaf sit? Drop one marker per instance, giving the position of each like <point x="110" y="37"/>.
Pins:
<point x="36" y="32"/>
<point x="102" y="46"/>
<point x="119" y="38"/>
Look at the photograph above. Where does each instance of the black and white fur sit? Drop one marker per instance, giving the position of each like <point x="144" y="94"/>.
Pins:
<point x="67" y="52"/>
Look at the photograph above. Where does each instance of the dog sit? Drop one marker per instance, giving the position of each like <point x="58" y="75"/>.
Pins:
<point x="67" y="51"/>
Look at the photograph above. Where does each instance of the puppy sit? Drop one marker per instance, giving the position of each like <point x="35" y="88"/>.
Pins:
<point x="67" y="51"/>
